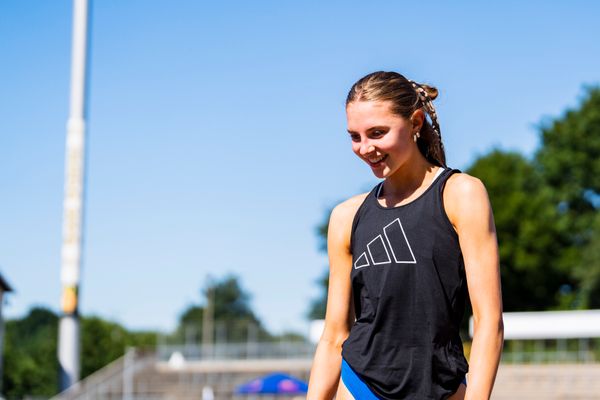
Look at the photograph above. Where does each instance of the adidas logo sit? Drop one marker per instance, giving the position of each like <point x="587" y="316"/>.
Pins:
<point x="395" y="248"/>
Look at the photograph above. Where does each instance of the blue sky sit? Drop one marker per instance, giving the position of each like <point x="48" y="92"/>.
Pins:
<point x="217" y="133"/>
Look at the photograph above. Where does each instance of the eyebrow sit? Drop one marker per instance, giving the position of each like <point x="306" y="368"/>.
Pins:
<point x="371" y="128"/>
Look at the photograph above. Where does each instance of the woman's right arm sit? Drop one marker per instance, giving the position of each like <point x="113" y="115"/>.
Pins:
<point x="339" y="317"/>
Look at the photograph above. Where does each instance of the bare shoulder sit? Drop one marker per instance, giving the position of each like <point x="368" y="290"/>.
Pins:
<point x="340" y="221"/>
<point x="464" y="195"/>
<point x="462" y="184"/>
<point x="347" y="209"/>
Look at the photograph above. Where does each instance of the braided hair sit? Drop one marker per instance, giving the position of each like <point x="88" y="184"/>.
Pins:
<point x="406" y="97"/>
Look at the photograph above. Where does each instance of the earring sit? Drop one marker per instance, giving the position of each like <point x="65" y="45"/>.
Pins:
<point x="416" y="135"/>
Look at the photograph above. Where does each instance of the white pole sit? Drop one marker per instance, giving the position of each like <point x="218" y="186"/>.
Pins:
<point x="68" y="343"/>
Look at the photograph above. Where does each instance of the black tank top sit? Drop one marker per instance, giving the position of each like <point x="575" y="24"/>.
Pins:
<point x="409" y="291"/>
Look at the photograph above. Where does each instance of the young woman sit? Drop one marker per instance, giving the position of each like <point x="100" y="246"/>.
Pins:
<point x="402" y="259"/>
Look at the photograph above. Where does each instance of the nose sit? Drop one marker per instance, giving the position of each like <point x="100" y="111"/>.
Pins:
<point x="366" y="147"/>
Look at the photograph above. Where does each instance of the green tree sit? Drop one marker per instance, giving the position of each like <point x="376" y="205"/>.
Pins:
<point x="30" y="362"/>
<point x="569" y="159"/>
<point x="587" y="272"/>
<point x="569" y="156"/>
<point x="233" y="312"/>
<point x="529" y="236"/>
<point x="234" y="319"/>
<point x="189" y="328"/>
<point x="318" y="305"/>
<point x="103" y="342"/>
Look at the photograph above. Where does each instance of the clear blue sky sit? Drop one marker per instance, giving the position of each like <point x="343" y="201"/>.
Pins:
<point x="217" y="132"/>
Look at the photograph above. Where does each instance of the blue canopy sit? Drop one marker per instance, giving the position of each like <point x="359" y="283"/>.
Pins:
<point x="276" y="383"/>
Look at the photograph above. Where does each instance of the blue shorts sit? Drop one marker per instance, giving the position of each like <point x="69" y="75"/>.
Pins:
<point x="357" y="387"/>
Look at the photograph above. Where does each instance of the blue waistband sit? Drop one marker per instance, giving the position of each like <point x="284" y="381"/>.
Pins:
<point x="357" y="387"/>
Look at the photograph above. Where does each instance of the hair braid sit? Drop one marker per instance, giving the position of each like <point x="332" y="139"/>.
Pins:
<point x="436" y="146"/>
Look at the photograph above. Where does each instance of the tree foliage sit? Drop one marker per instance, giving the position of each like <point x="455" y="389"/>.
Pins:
<point x="528" y="234"/>
<point x="30" y="357"/>
<point x="569" y="159"/>
<point x="318" y="305"/>
<point x="30" y="362"/>
<point x="569" y="155"/>
<point x="233" y="312"/>
<point x="234" y="319"/>
<point x="104" y="341"/>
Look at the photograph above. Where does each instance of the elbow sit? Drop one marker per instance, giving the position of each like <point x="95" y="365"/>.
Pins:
<point x="489" y="323"/>
<point x="490" y="331"/>
<point x="334" y="340"/>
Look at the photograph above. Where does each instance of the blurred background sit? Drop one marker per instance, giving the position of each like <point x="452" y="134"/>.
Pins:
<point x="216" y="147"/>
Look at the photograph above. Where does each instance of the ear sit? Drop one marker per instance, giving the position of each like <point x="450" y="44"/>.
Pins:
<point x="417" y="118"/>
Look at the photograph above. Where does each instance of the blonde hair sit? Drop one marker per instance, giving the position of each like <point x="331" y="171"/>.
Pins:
<point x="406" y="97"/>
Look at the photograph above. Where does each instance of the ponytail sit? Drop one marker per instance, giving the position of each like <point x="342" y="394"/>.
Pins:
<point x="430" y="139"/>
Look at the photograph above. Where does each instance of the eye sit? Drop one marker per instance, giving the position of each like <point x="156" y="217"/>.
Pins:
<point x="377" y="133"/>
<point x="355" y="137"/>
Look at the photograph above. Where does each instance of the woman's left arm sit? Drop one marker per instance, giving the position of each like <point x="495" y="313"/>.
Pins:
<point x="468" y="207"/>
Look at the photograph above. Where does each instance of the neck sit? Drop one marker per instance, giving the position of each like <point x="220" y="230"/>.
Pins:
<point x="409" y="177"/>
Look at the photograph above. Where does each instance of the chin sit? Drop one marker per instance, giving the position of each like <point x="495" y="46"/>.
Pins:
<point x="381" y="174"/>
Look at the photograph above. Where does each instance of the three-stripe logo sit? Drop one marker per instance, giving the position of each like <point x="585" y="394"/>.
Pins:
<point x="395" y="248"/>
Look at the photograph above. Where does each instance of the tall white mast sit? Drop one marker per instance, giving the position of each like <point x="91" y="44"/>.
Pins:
<point x="68" y="341"/>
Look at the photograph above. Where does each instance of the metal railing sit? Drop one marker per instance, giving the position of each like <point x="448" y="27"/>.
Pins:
<point x="575" y="351"/>
<point x="112" y="377"/>
<point x="239" y="351"/>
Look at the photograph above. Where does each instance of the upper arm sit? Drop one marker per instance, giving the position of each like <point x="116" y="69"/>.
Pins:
<point x="469" y="209"/>
<point x="339" y="316"/>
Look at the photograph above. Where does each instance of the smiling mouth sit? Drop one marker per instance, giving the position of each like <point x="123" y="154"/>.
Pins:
<point x="375" y="161"/>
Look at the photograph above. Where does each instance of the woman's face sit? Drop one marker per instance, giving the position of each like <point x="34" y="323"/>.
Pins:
<point x="382" y="139"/>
